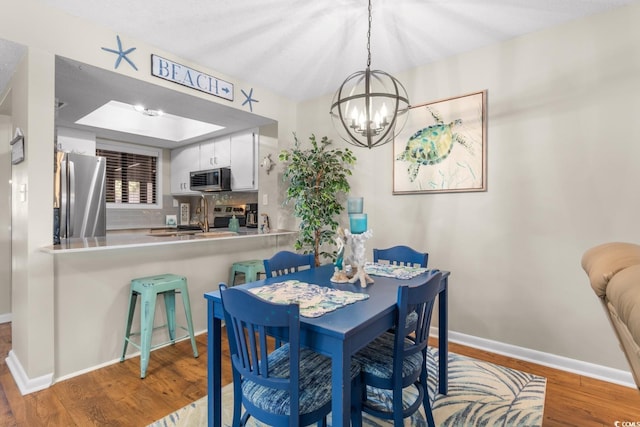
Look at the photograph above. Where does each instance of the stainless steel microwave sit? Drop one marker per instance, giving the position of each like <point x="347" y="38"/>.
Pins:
<point x="211" y="180"/>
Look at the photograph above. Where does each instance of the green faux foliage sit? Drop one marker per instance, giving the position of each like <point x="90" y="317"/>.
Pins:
<point x="317" y="181"/>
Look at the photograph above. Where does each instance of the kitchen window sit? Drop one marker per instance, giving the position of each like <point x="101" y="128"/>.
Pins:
<point x="133" y="177"/>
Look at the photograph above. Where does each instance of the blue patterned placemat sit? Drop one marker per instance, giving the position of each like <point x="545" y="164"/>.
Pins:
<point x="314" y="300"/>
<point x="395" y="271"/>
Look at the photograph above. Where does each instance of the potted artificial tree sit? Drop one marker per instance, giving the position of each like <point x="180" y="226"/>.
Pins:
<point x="317" y="185"/>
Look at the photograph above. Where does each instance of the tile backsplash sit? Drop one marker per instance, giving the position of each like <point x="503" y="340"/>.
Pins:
<point x="118" y="219"/>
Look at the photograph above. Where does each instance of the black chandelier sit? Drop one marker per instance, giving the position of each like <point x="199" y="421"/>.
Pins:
<point x="369" y="109"/>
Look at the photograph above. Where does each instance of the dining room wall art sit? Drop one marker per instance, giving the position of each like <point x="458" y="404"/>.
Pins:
<point x="443" y="147"/>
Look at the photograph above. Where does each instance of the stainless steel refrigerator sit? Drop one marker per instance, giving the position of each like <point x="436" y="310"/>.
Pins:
<point x="79" y="208"/>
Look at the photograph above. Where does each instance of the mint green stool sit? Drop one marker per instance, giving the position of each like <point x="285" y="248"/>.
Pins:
<point x="251" y="269"/>
<point x="149" y="288"/>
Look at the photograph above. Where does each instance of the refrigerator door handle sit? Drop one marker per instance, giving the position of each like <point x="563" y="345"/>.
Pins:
<point x="72" y="197"/>
<point x="64" y="198"/>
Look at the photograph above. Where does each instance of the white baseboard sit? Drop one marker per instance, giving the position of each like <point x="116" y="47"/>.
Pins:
<point x="128" y="356"/>
<point x="25" y="384"/>
<point x="5" y="318"/>
<point x="93" y="368"/>
<point x="587" y="369"/>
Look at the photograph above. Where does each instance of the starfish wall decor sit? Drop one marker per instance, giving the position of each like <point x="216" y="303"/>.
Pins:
<point x="122" y="54"/>
<point x="249" y="99"/>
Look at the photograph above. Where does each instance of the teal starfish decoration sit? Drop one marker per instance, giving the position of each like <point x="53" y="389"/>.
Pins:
<point x="122" y="54"/>
<point x="249" y="98"/>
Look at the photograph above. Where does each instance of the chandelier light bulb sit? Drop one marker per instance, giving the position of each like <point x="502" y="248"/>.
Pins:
<point x="383" y="113"/>
<point x="354" y="116"/>
<point x="376" y="121"/>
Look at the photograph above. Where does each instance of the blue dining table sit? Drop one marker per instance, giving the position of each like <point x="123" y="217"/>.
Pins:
<point x="337" y="334"/>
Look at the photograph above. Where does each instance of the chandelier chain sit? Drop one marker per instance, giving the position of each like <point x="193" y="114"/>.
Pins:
<point x="369" y="38"/>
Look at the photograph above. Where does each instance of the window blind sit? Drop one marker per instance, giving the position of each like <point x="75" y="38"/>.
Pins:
<point x="131" y="178"/>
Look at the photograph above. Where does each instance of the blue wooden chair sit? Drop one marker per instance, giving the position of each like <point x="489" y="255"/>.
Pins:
<point x="395" y="361"/>
<point x="288" y="386"/>
<point x="400" y="255"/>
<point x="285" y="262"/>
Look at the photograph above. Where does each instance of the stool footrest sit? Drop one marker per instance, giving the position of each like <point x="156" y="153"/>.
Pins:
<point x="139" y="333"/>
<point x="162" y="344"/>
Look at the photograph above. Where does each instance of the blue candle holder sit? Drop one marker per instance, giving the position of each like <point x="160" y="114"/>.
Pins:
<point x="358" y="223"/>
<point x="354" y="205"/>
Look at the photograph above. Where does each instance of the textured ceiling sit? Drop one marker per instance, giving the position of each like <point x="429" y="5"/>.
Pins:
<point x="299" y="49"/>
<point x="10" y="55"/>
<point x="303" y="49"/>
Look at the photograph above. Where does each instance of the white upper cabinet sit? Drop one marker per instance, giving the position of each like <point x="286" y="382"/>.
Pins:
<point x="238" y="151"/>
<point x="244" y="147"/>
<point x="183" y="161"/>
<point x="215" y="154"/>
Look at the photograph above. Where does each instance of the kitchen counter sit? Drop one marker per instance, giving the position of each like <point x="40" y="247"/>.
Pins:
<point x="157" y="238"/>
<point x="92" y="282"/>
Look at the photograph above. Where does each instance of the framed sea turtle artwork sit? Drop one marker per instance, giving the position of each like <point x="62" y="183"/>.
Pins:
<point x="442" y="147"/>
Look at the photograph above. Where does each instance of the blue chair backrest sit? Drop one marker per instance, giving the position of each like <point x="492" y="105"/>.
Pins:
<point x="285" y="262"/>
<point x="419" y="299"/>
<point x="247" y="332"/>
<point x="401" y="255"/>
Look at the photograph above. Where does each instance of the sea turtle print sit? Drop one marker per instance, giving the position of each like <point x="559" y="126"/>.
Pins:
<point x="432" y="144"/>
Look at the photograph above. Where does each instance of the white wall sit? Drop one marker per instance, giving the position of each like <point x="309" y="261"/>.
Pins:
<point x="31" y="219"/>
<point x="562" y="177"/>
<point x="6" y="133"/>
<point x="75" y="141"/>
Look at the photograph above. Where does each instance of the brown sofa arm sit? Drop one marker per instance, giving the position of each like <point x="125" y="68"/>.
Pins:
<point x="614" y="273"/>
<point x="602" y="262"/>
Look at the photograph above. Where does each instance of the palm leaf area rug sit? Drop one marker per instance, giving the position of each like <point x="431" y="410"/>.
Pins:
<point x="480" y="394"/>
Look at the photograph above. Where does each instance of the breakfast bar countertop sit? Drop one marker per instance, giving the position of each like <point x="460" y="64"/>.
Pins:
<point x="132" y="240"/>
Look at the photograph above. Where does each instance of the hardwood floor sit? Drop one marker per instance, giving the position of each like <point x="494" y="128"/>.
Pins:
<point x="116" y="396"/>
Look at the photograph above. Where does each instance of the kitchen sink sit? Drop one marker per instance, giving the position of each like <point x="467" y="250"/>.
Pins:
<point x="170" y="233"/>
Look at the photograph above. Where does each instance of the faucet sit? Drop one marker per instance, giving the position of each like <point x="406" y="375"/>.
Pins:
<point x="204" y="210"/>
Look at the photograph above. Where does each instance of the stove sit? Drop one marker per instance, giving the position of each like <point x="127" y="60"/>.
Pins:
<point x="223" y="213"/>
<point x="229" y="210"/>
